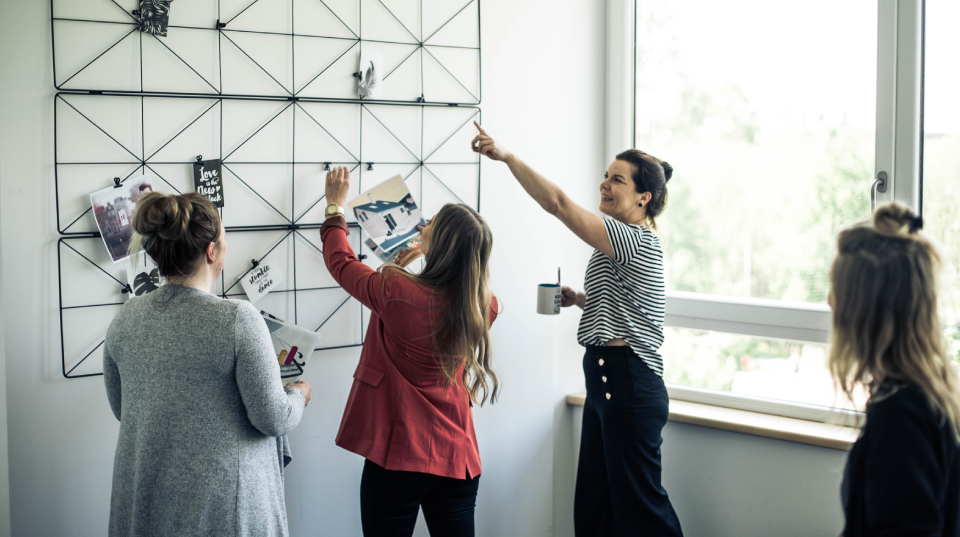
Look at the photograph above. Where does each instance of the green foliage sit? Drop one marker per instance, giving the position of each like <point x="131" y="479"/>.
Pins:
<point x="842" y="198"/>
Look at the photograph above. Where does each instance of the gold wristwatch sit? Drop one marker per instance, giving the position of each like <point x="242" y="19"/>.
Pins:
<point x="333" y="210"/>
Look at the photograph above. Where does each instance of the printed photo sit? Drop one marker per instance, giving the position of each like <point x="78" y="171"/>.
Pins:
<point x="113" y="209"/>
<point x="389" y="214"/>
<point x="370" y="84"/>
<point x="293" y="346"/>
<point x="155" y="16"/>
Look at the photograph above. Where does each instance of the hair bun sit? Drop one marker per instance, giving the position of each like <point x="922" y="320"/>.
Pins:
<point x="667" y="170"/>
<point x="162" y="216"/>
<point x="896" y="220"/>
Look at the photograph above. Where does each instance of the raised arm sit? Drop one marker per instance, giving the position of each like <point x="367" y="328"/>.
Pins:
<point x="354" y="276"/>
<point x="586" y="225"/>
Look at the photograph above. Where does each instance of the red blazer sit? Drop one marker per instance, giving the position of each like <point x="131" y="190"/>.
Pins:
<point x="398" y="414"/>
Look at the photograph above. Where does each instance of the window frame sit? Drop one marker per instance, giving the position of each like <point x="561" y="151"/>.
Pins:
<point x="898" y="153"/>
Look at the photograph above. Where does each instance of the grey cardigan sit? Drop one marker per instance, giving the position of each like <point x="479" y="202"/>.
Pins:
<point x="194" y="381"/>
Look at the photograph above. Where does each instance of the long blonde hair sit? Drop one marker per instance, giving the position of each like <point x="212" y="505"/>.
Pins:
<point x="886" y="329"/>
<point x="456" y="269"/>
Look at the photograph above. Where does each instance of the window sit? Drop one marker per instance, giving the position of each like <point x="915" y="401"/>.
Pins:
<point x="777" y="119"/>
<point x="941" y="153"/>
<point x="772" y="133"/>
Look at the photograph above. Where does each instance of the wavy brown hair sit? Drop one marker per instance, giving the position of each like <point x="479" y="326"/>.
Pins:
<point x="456" y="270"/>
<point x="886" y="329"/>
<point x="175" y="231"/>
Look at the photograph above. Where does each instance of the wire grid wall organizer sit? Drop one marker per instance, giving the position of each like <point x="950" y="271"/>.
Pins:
<point x="308" y="49"/>
<point x="274" y="153"/>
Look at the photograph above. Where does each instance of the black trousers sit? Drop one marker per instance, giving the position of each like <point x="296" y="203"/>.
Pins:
<point x="618" y="490"/>
<point x="390" y="501"/>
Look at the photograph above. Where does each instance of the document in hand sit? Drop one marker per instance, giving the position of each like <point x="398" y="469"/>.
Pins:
<point x="293" y="345"/>
<point x="390" y="216"/>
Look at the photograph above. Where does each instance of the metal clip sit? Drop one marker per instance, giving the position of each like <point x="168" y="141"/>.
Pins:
<point x="326" y="166"/>
<point x="116" y="182"/>
<point x="199" y="158"/>
<point x="369" y="166"/>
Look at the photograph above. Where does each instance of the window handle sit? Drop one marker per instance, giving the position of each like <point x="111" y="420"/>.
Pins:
<point x="880" y="185"/>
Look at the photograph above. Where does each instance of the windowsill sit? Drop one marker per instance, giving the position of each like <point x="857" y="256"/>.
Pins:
<point x="755" y="423"/>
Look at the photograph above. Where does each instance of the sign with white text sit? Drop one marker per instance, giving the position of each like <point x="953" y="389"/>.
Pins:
<point x="208" y="180"/>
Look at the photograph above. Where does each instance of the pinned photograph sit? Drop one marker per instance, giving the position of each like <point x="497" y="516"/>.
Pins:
<point x="143" y="275"/>
<point x="371" y="75"/>
<point x="113" y="208"/>
<point x="208" y="180"/>
<point x="154" y="16"/>
<point x="293" y="346"/>
<point x="263" y="278"/>
<point x="389" y="215"/>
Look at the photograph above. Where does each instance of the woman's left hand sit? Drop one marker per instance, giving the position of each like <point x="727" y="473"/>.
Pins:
<point x="338" y="183"/>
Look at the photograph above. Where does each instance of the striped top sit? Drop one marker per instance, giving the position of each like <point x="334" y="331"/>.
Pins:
<point x="626" y="293"/>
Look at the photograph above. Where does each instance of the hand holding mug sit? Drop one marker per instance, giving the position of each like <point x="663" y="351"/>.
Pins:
<point x="569" y="297"/>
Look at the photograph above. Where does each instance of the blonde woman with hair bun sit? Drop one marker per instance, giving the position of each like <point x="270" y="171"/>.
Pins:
<point x="903" y="474"/>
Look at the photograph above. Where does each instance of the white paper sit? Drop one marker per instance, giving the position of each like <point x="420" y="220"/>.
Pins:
<point x="389" y="215"/>
<point x="260" y="280"/>
<point x="293" y="346"/>
<point x="143" y="275"/>
<point x="370" y="85"/>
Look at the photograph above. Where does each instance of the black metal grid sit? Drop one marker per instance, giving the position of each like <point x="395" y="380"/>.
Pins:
<point x="421" y="47"/>
<point x="293" y="228"/>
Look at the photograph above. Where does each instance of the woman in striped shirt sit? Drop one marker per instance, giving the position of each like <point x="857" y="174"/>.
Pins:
<point x="618" y="488"/>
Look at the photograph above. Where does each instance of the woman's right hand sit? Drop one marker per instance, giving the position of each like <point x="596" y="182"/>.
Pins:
<point x="304" y="387"/>
<point x="484" y="144"/>
<point x="569" y="297"/>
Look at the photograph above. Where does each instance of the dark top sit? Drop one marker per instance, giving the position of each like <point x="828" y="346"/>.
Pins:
<point x="903" y="474"/>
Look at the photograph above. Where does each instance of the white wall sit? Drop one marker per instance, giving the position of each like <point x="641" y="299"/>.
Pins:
<point x="725" y="484"/>
<point x="542" y="87"/>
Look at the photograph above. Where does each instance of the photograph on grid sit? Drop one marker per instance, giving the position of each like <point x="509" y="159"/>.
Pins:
<point x="113" y="208"/>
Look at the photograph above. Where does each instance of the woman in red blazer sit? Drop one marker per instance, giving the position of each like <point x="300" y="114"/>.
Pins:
<point x="425" y="361"/>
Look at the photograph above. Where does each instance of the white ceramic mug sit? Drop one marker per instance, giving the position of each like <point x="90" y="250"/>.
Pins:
<point x="549" y="296"/>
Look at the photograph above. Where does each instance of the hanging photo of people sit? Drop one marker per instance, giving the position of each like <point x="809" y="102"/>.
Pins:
<point x="154" y="16"/>
<point x="208" y="180"/>
<point x="113" y="208"/>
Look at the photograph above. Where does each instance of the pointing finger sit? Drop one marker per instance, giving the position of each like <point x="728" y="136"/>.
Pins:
<point x="479" y="127"/>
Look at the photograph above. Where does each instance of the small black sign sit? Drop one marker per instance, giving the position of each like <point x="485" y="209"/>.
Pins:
<point x="208" y="180"/>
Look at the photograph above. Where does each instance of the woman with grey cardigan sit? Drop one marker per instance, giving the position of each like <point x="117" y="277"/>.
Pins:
<point x="194" y="381"/>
